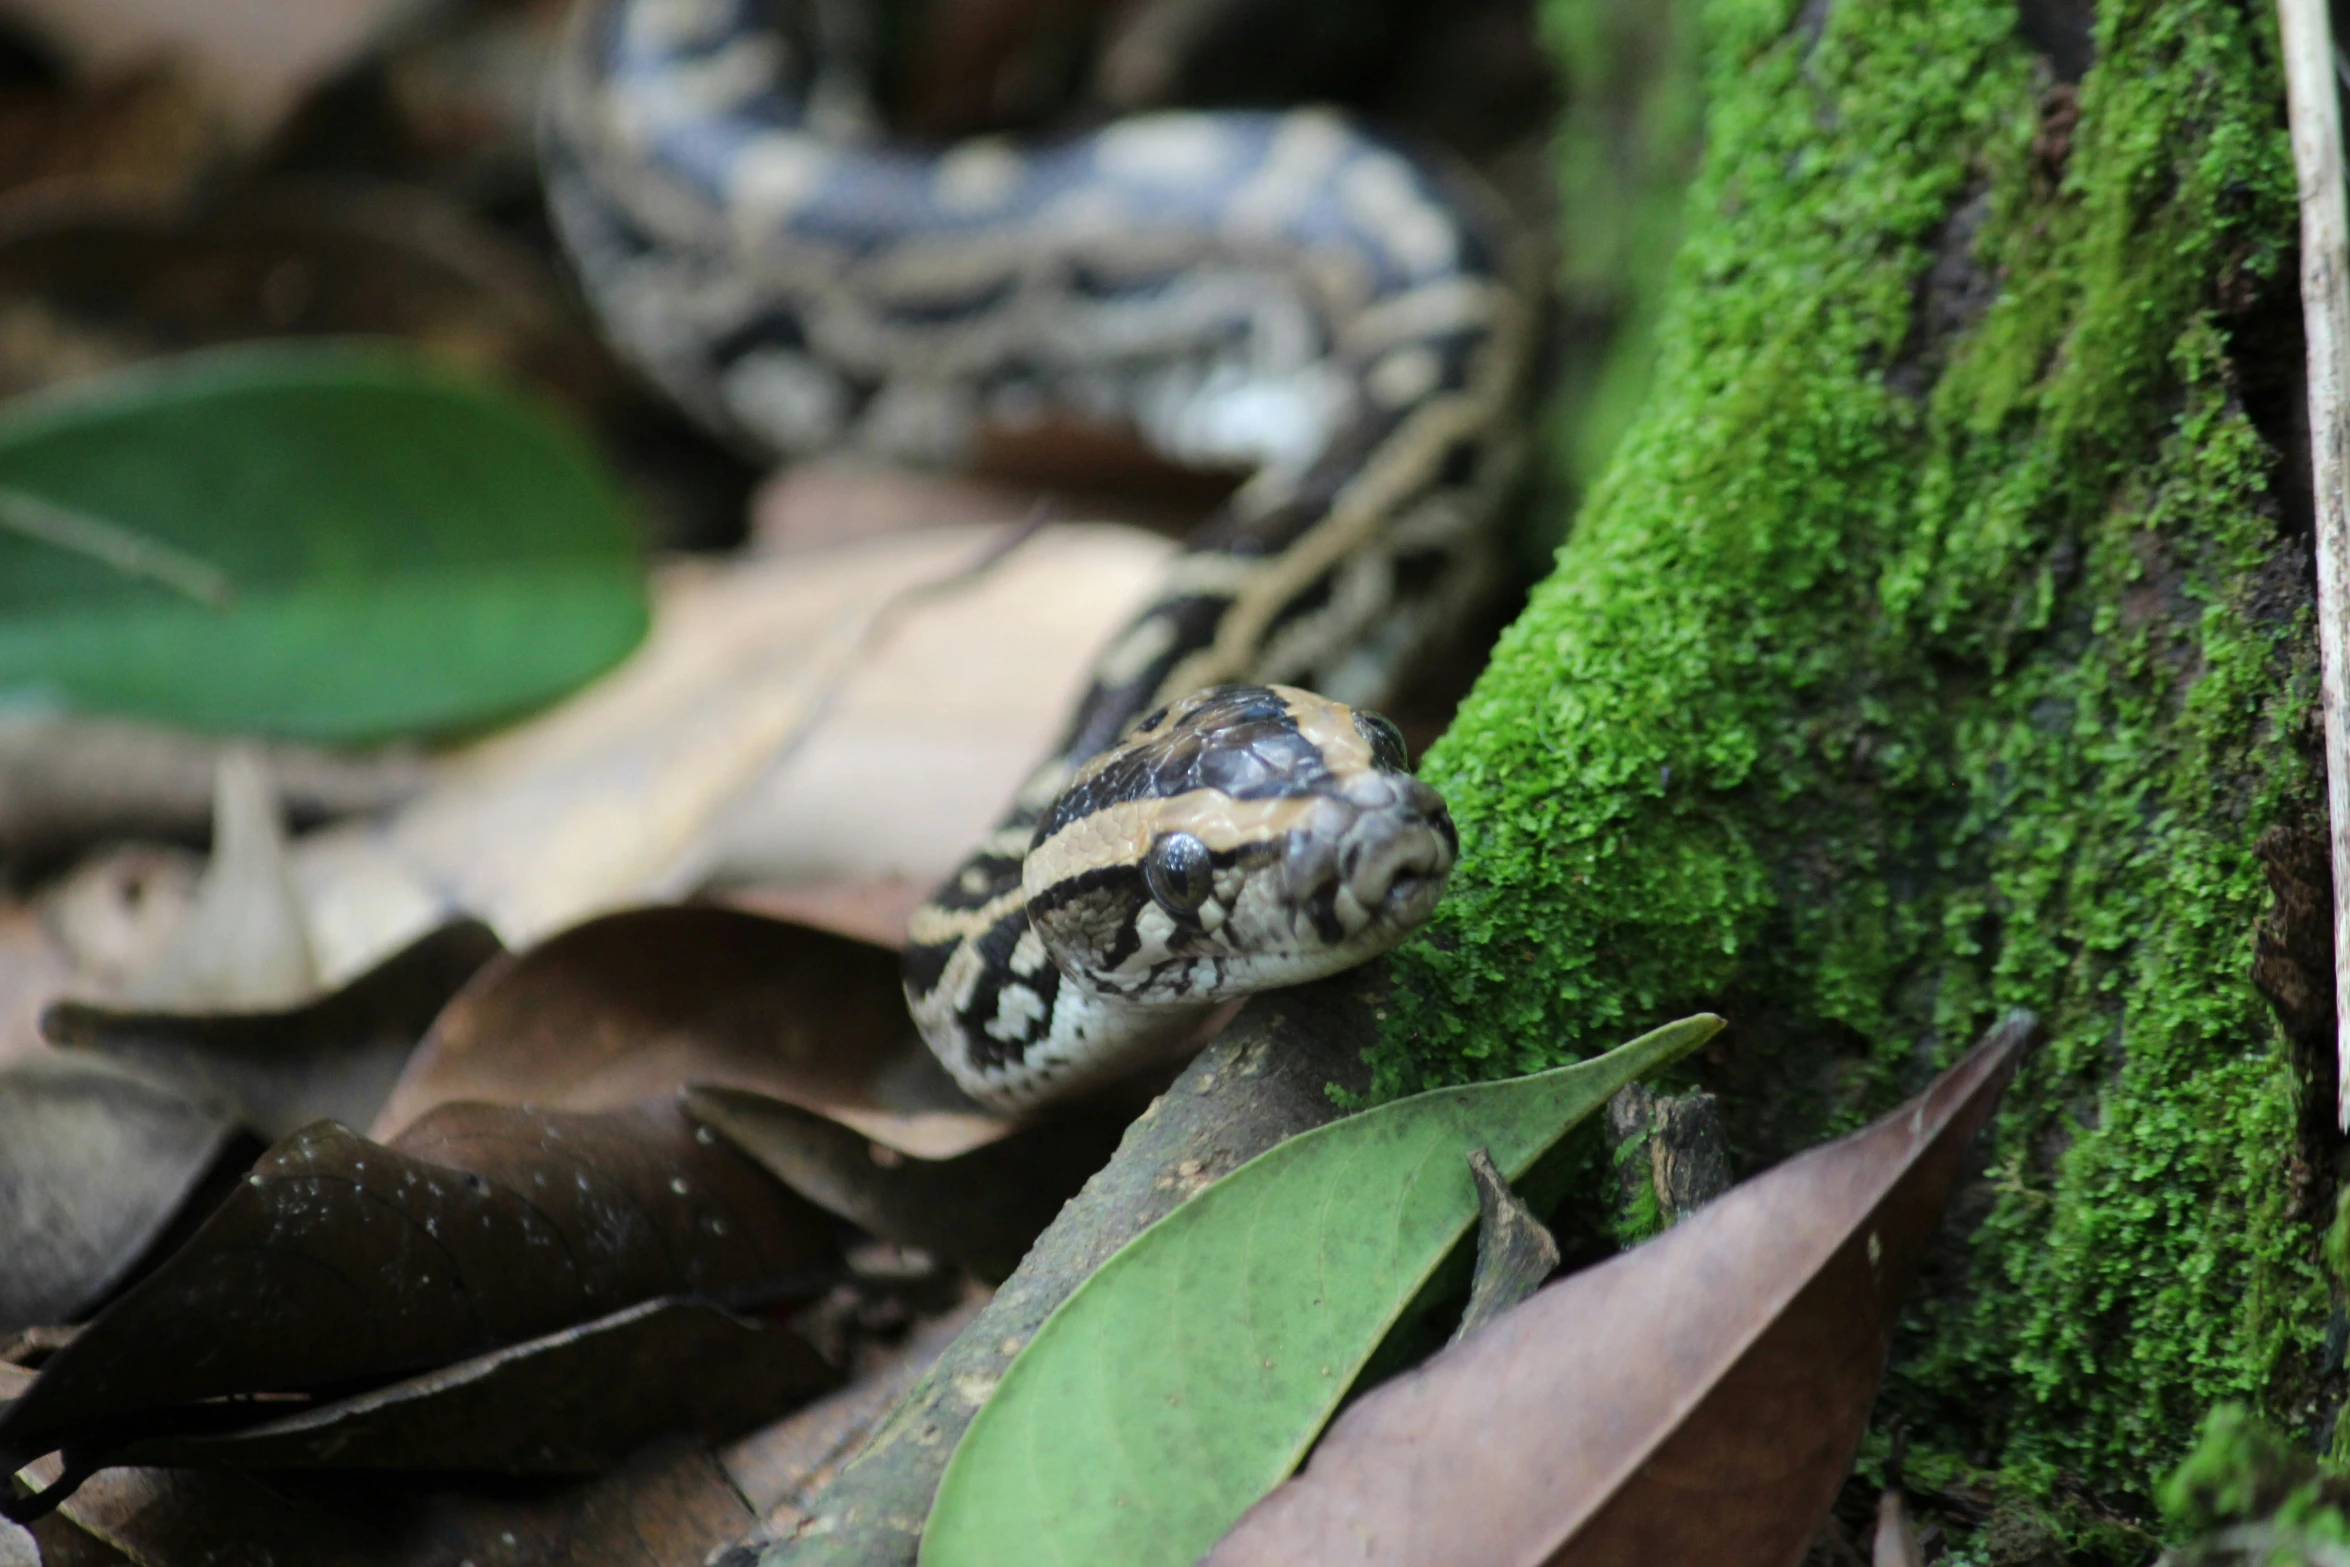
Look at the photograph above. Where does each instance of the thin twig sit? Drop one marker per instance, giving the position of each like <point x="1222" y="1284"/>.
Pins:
<point x="861" y="627"/>
<point x="2325" y="310"/>
<point x="132" y="553"/>
<point x="838" y="655"/>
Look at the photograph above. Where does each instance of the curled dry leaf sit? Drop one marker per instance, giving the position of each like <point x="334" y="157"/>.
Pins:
<point x="341" y="1261"/>
<point x="634" y="1006"/>
<point x="95" y="1158"/>
<point x="1188" y="1375"/>
<point x="574" y="1401"/>
<point x="982" y="1209"/>
<point x="1697" y="1399"/>
<point x="1515" y="1250"/>
<point x="334" y="1059"/>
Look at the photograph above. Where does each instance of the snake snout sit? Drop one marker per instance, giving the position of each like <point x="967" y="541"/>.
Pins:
<point x="1403" y="871"/>
<point x="1383" y="874"/>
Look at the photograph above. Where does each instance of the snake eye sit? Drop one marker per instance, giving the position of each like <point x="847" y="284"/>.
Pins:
<point x="1386" y="741"/>
<point x="1179" y="873"/>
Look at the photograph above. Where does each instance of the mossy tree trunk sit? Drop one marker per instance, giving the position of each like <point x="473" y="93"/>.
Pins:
<point x="1938" y="639"/>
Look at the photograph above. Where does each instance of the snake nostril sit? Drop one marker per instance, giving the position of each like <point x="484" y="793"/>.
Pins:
<point x="1409" y="888"/>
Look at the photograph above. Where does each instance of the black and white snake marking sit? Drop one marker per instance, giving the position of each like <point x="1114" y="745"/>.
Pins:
<point x="1279" y="291"/>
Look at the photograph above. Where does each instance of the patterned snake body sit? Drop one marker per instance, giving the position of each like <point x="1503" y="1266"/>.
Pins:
<point x="1275" y="291"/>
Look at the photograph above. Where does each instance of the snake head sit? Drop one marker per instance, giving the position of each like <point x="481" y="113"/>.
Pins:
<point x="1244" y="838"/>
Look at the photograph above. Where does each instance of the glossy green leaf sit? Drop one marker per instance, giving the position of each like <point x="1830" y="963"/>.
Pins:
<point x="329" y="541"/>
<point x="1190" y="1374"/>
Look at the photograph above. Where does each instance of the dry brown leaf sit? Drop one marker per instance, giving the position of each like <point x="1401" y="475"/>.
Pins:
<point x="339" y="1262"/>
<point x="636" y="1005"/>
<point x="253" y="58"/>
<point x="876" y="911"/>
<point x="573" y="1401"/>
<point x="34" y="967"/>
<point x="1055" y="475"/>
<point x="836" y="501"/>
<point x="114" y="913"/>
<point x="642" y="786"/>
<point x="938" y="722"/>
<point x="332" y="1059"/>
<point x="673" y="1506"/>
<point x="667" y="1507"/>
<point x="95" y="1158"/>
<point x="1698" y="1399"/>
<point x="983" y="1209"/>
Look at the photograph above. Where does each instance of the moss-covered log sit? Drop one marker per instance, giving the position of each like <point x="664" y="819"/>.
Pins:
<point x="1936" y="641"/>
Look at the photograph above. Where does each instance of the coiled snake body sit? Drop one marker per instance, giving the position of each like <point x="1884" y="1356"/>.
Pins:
<point x="1274" y="290"/>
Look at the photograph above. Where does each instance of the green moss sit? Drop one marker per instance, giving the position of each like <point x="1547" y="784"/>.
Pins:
<point x="1627" y="138"/>
<point x="1640" y="1216"/>
<point x="1919" y="654"/>
<point x="2335" y="1249"/>
<point x="2247" y="1495"/>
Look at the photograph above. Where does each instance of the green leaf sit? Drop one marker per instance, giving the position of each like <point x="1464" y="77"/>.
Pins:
<point x="1190" y="1374"/>
<point x="328" y="541"/>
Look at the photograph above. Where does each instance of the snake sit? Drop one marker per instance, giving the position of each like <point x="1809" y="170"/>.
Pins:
<point x="1341" y="318"/>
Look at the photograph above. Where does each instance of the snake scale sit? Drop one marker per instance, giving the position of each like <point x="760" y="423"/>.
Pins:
<point x="1281" y="292"/>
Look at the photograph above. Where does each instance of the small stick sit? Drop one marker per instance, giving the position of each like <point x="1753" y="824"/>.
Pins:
<point x="2315" y="115"/>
